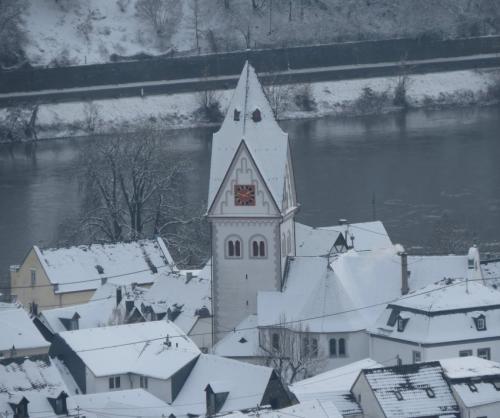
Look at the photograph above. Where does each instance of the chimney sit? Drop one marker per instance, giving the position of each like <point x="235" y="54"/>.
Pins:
<point x="404" y="273"/>
<point x="474" y="272"/>
<point x="189" y="276"/>
<point x="118" y="295"/>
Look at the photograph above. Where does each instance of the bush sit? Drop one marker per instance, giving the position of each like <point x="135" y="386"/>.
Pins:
<point x="304" y="98"/>
<point x="371" y="101"/>
<point x="209" y="108"/>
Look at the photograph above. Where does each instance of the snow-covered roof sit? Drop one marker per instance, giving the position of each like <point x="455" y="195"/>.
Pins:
<point x="473" y="379"/>
<point x="310" y="409"/>
<point x="265" y="140"/>
<point x="18" y="330"/>
<point x="429" y="312"/>
<point x="133" y="348"/>
<point x="311" y="241"/>
<point x="311" y="291"/>
<point x="180" y="293"/>
<point x="85" y="267"/>
<point x="244" y="342"/>
<point x="36" y="379"/>
<point x="132" y="402"/>
<point x="491" y="272"/>
<point x="245" y="383"/>
<point x="421" y="388"/>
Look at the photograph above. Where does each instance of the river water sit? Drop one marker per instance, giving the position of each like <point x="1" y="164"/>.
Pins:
<point x="431" y="176"/>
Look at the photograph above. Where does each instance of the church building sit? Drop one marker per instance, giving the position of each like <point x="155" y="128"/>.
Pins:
<point x="251" y="205"/>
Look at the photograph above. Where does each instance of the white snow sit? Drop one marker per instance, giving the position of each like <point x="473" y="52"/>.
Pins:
<point x="469" y="366"/>
<point x="310" y="409"/>
<point x="17" y="329"/>
<point x="243" y="342"/>
<point x="246" y="384"/>
<point x="135" y="348"/>
<point x="77" y="268"/>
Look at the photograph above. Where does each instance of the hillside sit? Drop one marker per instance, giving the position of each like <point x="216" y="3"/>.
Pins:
<point x="71" y="32"/>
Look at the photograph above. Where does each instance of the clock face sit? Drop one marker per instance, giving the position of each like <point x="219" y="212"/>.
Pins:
<point x="244" y="195"/>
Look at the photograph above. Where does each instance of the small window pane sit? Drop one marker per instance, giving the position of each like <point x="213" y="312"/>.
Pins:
<point x="117" y="381"/>
<point x="333" y="347"/>
<point x="342" y="349"/>
<point x="314" y="347"/>
<point x="484" y="353"/>
<point x="262" y="249"/>
<point x="417" y="357"/>
<point x="276" y="341"/>
<point x="111" y="383"/>
<point x="237" y="248"/>
<point x="230" y="248"/>
<point x="255" y="249"/>
<point x="465" y="353"/>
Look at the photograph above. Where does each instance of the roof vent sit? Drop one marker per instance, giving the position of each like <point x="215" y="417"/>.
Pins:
<point x="236" y="116"/>
<point x="256" y="116"/>
<point x="242" y="340"/>
<point x="99" y="269"/>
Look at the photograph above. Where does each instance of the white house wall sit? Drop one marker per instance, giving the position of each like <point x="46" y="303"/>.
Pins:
<point x="201" y="333"/>
<point x="364" y="396"/>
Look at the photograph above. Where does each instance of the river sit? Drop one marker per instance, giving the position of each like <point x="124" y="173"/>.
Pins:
<point x="431" y="176"/>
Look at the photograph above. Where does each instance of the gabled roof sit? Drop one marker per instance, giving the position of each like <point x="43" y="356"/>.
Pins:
<point x="243" y="342"/>
<point x="85" y="267"/>
<point x="18" y="330"/>
<point x="245" y="384"/>
<point x="35" y="379"/>
<point x="265" y="140"/>
<point x="421" y="388"/>
<point x="131" y="402"/>
<point x="134" y="348"/>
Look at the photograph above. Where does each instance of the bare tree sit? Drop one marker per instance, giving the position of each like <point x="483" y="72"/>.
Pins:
<point x="292" y="351"/>
<point x="158" y="13"/>
<point x="11" y="32"/>
<point x="132" y="193"/>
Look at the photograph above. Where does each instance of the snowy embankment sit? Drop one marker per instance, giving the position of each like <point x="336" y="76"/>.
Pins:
<point x="176" y="111"/>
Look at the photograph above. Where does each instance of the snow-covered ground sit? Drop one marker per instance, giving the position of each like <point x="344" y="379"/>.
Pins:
<point x="181" y="110"/>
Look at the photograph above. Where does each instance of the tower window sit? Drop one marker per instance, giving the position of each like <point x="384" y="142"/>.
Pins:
<point x="276" y="341"/>
<point x="256" y="116"/>
<point x="258" y="247"/>
<point x="233" y="247"/>
<point x="236" y="115"/>
<point x="333" y="347"/>
<point x="342" y="347"/>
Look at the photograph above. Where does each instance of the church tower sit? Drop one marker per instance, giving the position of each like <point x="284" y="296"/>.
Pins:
<point x="251" y="205"/>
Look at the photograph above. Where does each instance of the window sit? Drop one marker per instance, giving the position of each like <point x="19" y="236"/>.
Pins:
<point x="33" y="277"/>
<point x="480" y="322"/>
<point x="430" y="393"/>
<point x="393" y="317"/>
<point x="233" y="248"/>
<point x="314" y="347"/>
<point x="472" y="387"/>
<point x="305" y="347"/>
<point x="465" y="353"/>
<point x="258" y="248"/>
<point x="402" y="324"/>
<point x="342" y="348"/>
<point x="398" y="395"/>
<point x="236" y="115"/>
<point x="333" y="347"/>
<point x="496" y="384"/>
<point x="276" y="341"/>
<point x="417" y="357"/>
<point x="143" y="382"/>
<point x="484" y="353"/>
<point x="114" y="382"/>
<point x="256" y="116"/>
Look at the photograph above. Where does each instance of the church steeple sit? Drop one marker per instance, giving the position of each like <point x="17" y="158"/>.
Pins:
<point x="251" y="204"/>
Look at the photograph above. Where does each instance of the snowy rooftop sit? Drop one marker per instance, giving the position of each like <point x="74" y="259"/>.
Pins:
<point x="246" y="384"/>
<point x="319" y="241"/>
<point x="178" y="292"/>
<point x="450" y="294"/>
<point x="35" y="379"/>
<point x="134" y="348"/>
<point x="85" y="267"/>
<point x="18" y="330"/>
<point x="132" y="402"/>
<point x="429" y="312"/>
<point x="474" y="380"/>
<point x="265" y="140"/>
<point x="244" y="342"/>
<point x="421" y="388"/>
<point x="491" y="272"/>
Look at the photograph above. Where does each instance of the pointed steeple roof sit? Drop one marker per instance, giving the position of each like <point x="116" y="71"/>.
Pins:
<point x="249" y="118"/>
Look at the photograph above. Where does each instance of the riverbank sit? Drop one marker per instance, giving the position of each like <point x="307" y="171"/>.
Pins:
<point x="293" y="101"/>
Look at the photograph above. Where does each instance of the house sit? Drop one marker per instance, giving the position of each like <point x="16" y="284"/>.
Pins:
<point x="334" y="386"/>
<point x="132" y="402"/>
<point x="475" y="383"/>
<point x="58" y="277"/>
<point x="405" y="391"/>
<point x="19" y="337"/>
<point x="217" y="385"/>
<point x="156" y="356"/>
<point x="31" y="387"/>
<point x="451" y="318"/>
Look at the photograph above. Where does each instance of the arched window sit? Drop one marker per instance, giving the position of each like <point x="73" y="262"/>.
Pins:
<point x="314" y="347"/>
<point x="276" y="341"/>
<point x="333" y="347"/>
<point x="342" y="348"/>
<point x="233" y="247"/>
<point x="258" y="247"/>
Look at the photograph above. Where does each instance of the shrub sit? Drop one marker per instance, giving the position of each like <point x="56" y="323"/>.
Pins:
<point x="304" y="98"/>
<point x="371" y="101"/>
<point x="209" y="107"/>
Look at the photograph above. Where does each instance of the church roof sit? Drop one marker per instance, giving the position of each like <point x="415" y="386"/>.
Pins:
<point x="265" y="140"/>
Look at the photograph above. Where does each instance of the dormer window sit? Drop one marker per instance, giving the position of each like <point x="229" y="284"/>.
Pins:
<point x="393" y="317"/>
<point x="472" y="387"/>
<point x="430" y="392"/>
<point x="21" y="408"/>
<point x="398" y="395"/>
<point x="256" y="116"/>
<point x="340" y="244"/>
<point x="59" y="404"/>
<point x="496" y="384"/>
<point x="402" y="323"/>
<point x="480" y="322"/>
<point x="237" y="114"/>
